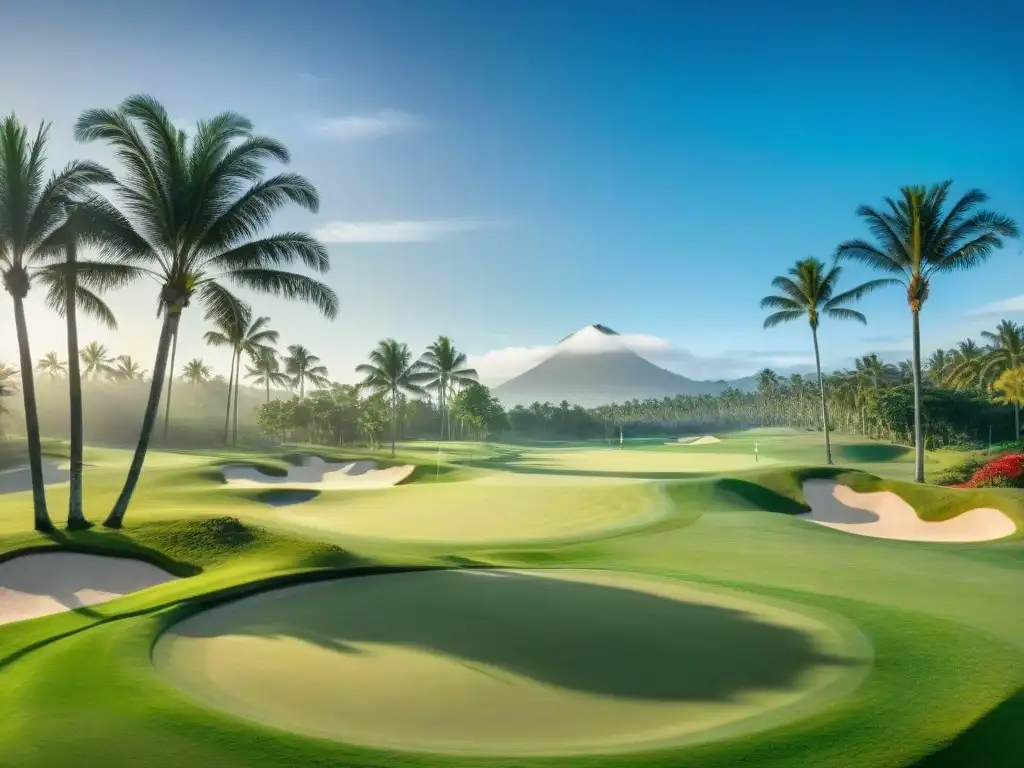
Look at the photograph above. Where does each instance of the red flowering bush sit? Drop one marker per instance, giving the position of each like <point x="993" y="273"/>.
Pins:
<point x="1005" y="472"/>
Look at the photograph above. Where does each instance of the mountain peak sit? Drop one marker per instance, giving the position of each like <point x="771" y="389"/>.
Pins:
<point x="595" y="332"/>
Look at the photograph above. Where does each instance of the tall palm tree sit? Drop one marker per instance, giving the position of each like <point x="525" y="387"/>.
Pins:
<point x="127" y="369"/>
<point x="192" y="213"/>
<point x="51" y="365"/>
<point x="917" y="239"/>
<point x="195" y="371"/>
<point x="392" y="371"/>
<point x="242" y="335"/>
<point x="809" y="291"/>
<point x="1006" y="351"/>
<point x="72" y="286"/>
<point x="266" y="370"/>
<point x="302" y="366"/>
<point x="968" y="363"/>
<point x="97" y="359"/>
<point x="447" y="369"/>
<point x="32" y="207"/>
<point x="939" y="367"/>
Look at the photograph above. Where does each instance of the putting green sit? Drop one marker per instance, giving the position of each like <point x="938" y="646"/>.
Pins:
<point x="479" y="512"/>
<point x="681" y="458"/>
<point x="513" y="662"/>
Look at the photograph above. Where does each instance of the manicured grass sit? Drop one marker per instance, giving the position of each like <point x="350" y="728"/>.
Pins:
<point x="944" y="620"/>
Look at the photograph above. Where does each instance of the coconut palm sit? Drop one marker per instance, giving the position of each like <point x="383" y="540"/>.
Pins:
<point x="195" y="371"/>
<point x="127" y="369"/>
<point x="1005" y="353"/>
<point x="193" y="210"/>
<point x="916" y="238"/>
<point x="939" y="367"/>
<point x="266" y="370"/>
<point x="809" y="291"/>
<point x="80" y="280"/>
<point x="447" y="369"/>
<point x="392" y="372"/>
<point x="8" y="374"/>
<point x="32" y="208"/>
<point x="968" y="363"/>
<point x="51" y="365"/>
<point x="302" y="366"/>
<point x="244" y="336"/>
<point x="97" y="360"/>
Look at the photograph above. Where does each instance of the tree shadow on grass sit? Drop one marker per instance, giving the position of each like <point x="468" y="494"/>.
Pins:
<point x="592" y="638"/>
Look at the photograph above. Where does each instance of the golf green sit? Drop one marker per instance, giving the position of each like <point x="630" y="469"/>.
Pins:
<point x="513" y="662"/>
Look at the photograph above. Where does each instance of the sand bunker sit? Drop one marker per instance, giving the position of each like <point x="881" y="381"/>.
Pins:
<point x="44" y="583"/>
<point x="19" y="479"/>
<point x="885" y="515"/>
<point x="513" y="662"/>
<point x="315" y="474"/>
<point x="705" y="440"/>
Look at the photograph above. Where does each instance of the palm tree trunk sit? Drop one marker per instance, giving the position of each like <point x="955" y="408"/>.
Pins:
<point x="170" y="383"/>
<point x="76" y="512"/>
<point x="234" y="416"/>
<point x="170" y="327"/>
<point x="918" y="430"/>
<point x="394" y="419"/>
<point x="35" y="446"/>
<point x="302" y="386"/>
<point x="821" y="388"/>
<point x="268" y="390"/>
<point x="231" y="388"/>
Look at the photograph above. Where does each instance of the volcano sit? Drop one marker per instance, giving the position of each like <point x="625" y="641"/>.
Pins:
<point x="594" y="366"/>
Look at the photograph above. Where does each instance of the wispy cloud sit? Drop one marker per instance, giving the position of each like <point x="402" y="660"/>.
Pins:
<point x="401" y="231"/>
<point x="371" y="125"/>
<point x="1014" y="304"/>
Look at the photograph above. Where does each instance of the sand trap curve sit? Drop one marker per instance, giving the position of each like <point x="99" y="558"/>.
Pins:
<point x="705" y="440"/>
<point x="885" y="515"/>
<point x="513" y="662"/>
<point x="315" y="474"/>
<point x="45" y="583"/>
<point x="19" y="479"/>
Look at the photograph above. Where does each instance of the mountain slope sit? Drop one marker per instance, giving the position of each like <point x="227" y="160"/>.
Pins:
<point x="594" y="367"/>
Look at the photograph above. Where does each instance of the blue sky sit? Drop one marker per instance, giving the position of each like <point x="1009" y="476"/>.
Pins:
<point x="507" y="172"/>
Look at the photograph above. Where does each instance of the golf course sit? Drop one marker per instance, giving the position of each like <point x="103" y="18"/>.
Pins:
<point x="500" y="605"/>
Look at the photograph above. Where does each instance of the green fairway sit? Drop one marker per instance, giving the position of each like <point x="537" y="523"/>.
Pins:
<point x="694" y="618"/>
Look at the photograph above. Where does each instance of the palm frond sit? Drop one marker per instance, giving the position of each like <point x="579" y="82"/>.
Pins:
<point x="784" y="316"/>
<point x="842" y="313"/>
<point x="856" y="294"/>
<point x="289" y="285"/>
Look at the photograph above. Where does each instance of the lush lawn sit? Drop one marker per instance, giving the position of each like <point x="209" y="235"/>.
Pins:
<point x="943" y="620"/>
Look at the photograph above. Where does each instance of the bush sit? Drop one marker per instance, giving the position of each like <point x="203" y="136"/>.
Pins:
<point x="962" y="472"/>
<point x="1004" y="472"/>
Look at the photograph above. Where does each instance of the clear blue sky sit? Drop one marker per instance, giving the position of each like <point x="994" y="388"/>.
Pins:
<point x="646" y="165"/>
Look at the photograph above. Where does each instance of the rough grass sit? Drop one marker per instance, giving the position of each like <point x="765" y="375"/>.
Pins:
<point x="944" y="619"/>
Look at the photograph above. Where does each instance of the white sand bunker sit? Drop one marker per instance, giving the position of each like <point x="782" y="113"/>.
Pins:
<point x="315" y="474"/>
<point x="19" y="479"/>
<point x="705" y="440"/>
<point x="44" y="583"/>
<point x="885" y="515"/>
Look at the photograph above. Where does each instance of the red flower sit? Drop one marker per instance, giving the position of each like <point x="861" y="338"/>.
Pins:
<point x="997" y="472"/>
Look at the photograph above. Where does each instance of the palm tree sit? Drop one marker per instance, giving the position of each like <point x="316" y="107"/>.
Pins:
<point x="447" y="369"/>
<point x="968" y="363"/>
<point x="916" y="239"/>
<point x="97" y="359"/>
<point x="809" y="291"/>
<point x="302" y="366"/>
<point x="266" y="370"/>
<point x="70" y="289"/>
<point x="391" y="371"/>
<point x="127" y="369"/>
<point x="939" y="367"/>
<point x="31" y="209"/>
<point x="195" y="371"/>
<point x="243" y="335"/>
<point x="193" y="213"/>
<point x="51" y="365"/>
<point x="1006" y="351"/>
